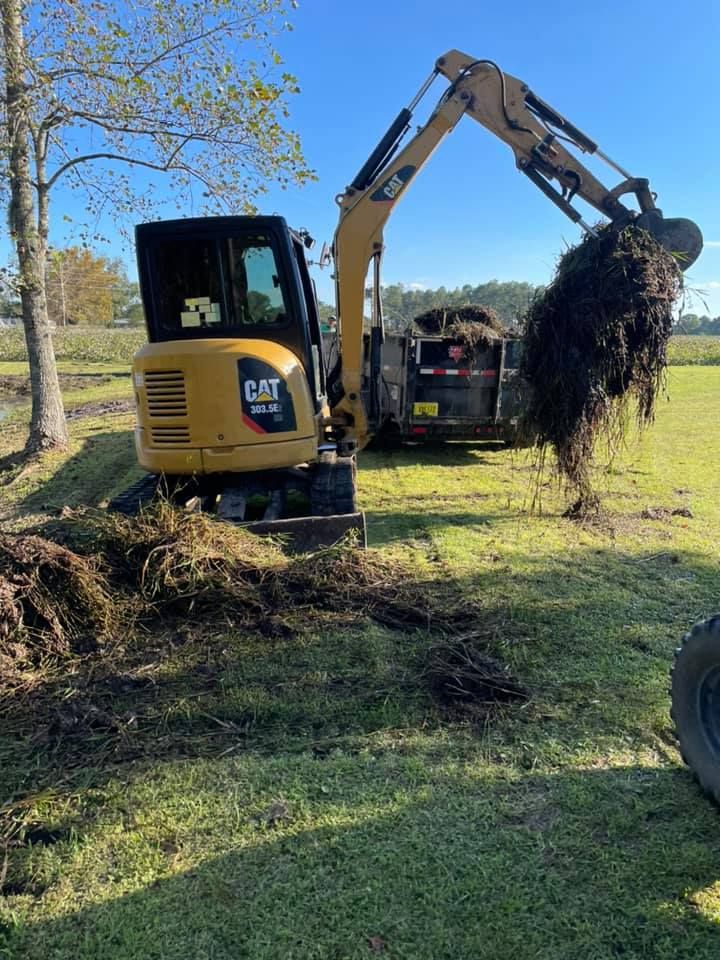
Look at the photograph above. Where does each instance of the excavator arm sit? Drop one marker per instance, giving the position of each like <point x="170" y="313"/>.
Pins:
<point x="537" y="134"/>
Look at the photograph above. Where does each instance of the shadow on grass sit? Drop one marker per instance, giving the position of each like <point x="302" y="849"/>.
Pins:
<point x="104" y="465"/>
<point x="450" y="454"/>
<point x="392" y="824"/>
<point x="591" y="635"/>
<point x="418" y="522"/>
<point x="324" y="858"/>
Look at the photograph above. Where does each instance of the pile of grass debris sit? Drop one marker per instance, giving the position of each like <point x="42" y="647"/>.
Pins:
<point x="175" y="567"/>
<point x="52" y="601"/>
<point x="466" y="680"/>
<point x="473" y="325"/>
<point x="596" y="342"/>
<point x="191" y="565"/>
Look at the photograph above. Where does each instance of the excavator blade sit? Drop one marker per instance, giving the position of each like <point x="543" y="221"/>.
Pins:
<point x="306" y="534"/>
<point x="679" y="236"/>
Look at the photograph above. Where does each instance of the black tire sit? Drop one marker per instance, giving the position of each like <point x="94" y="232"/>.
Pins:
<point x="333" y="487"/>
<point x="345" y="485"/>
<point x="695" y="698"/>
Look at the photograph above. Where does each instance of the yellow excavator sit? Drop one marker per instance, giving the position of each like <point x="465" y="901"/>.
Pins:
<point x="236" y="412"/>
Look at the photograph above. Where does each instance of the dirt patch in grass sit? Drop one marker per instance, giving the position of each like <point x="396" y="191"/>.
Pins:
<point x="466" y="680"/>
<point x="596" y="341"/>
<point x="12" y="385"/>
<point x="99" y="408"/>
<point x="665" y="513"/>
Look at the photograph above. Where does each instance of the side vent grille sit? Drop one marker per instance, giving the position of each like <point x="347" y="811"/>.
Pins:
<point x="170" y="435"/>
<point x="167" y="405"/>
<point x="165" y="390"/>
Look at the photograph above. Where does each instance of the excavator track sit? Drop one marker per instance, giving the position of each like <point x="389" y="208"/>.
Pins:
<point x="141" y="493"/>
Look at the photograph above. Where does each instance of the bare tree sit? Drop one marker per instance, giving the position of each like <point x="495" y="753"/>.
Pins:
<point x="111" y="99"/>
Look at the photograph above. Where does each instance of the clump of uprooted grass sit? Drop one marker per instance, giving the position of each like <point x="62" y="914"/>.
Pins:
<point x="56" y="601"/>
<point x="191" y="565"/>
<point x="174" y="566"/>
<point x="176" y="582"/>
<point x="595" y="342"/>
<point x="473" y="325"/>
<point x="185" y="563"/>
<point x="465" y="679"/>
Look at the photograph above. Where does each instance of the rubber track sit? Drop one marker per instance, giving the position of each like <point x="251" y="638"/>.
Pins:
<point x="131" y="501"/>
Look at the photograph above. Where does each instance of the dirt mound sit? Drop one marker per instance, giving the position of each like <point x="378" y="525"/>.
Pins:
<point x="55" y="600"/>
<point x="595" y="341"/>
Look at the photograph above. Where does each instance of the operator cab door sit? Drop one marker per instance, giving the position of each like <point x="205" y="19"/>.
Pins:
<point x="226" y="277"/>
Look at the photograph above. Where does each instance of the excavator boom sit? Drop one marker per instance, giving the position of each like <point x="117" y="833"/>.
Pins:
<point x="539" y="137"/>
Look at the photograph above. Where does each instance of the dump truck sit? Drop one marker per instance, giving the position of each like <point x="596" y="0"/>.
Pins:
<point x="439" y="388"/>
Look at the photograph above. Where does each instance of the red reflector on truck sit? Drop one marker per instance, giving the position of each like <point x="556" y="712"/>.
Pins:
<point x="441" y="372"/>
<point x="418" y="429"/>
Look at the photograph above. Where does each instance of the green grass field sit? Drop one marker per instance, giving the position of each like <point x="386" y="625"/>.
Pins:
<point x="79" y="344"/>
<point x="694" y="351"/>
<point x="85" y="345"/>
<point x="302" y="799"/>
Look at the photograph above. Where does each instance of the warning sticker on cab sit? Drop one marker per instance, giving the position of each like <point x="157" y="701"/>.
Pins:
<point x="425" y="409"/>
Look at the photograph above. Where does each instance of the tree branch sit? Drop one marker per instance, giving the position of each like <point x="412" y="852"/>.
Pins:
<point x="163" y="168"/>
<point x="174" y="48"/>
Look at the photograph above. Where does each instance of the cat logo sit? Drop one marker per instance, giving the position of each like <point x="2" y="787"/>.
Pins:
<point x="262" y="391"/>
<point x="391" y="189"/>
<point x="267" y="404"/>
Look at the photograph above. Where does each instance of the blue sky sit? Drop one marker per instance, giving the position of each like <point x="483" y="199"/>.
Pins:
<point x="639" y="76"/>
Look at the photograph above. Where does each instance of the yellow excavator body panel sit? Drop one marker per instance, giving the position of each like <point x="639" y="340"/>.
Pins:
<point x="222" y="406"/>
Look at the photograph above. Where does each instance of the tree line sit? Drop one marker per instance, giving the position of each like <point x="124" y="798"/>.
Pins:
<point x="690" y="323"/>
<point x="510" y="299"/>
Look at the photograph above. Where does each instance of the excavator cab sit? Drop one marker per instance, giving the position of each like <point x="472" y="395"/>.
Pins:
<point x="231" y="379"/>
<point x="228" y="277"/>
<point x="230" y="388"/>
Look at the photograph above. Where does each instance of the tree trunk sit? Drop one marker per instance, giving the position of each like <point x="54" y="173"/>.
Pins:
<point x="47" y="427"/>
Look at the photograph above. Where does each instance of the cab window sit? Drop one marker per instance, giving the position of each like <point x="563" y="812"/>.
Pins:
<point x="221" y="284"/>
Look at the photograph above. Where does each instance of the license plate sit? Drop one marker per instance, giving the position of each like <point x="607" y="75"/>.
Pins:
<point x="425" y="409"/>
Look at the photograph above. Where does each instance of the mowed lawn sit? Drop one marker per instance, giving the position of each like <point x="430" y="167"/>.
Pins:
<point x="324" y="810"/>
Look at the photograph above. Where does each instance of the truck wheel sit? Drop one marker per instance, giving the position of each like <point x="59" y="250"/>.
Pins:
<point x="695" y="694"/>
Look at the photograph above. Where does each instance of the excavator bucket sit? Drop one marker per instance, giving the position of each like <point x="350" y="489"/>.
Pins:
<point x="679" y="236"/>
